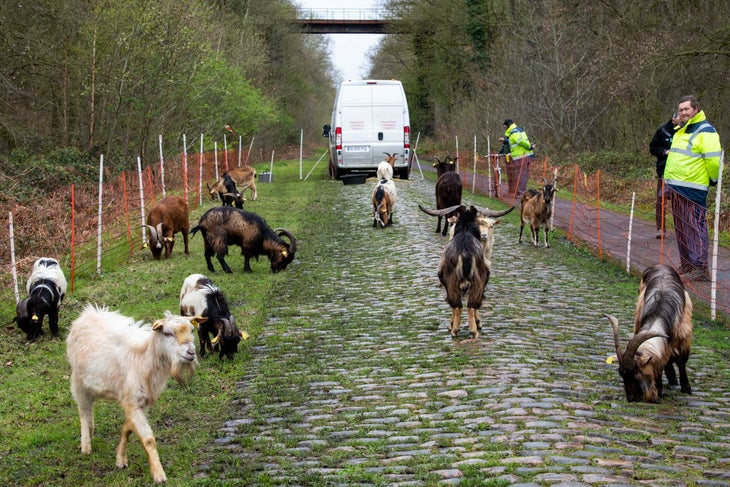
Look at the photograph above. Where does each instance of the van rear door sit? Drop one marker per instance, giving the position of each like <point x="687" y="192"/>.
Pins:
<point x="357" y="122"/>
<point x="387" y="116"/>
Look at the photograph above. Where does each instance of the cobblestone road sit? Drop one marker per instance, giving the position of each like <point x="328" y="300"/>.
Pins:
<point x="356" y="380"/>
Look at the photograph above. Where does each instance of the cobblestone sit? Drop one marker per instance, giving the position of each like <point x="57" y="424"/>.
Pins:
<point x="364" y="385"/>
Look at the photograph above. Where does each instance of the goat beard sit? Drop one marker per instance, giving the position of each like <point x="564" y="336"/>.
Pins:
<point x="183" y="372"/>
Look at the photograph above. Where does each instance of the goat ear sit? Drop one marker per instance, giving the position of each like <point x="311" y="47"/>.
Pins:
<point x="198" y="320"/>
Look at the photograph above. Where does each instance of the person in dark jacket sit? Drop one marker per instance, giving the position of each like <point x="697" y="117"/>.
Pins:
<point x="659" y="148"/>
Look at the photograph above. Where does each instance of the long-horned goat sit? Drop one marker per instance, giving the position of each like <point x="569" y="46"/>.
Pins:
<point x="486" y="228"/>
<point x="244" y="177"/>
<point x="200" y="297"/>
<point x="114" y="358"/>
<point x="224" y="226"/>
<point x="662" y="336"/>
<point x="46" y="288"/>
<point x="448" y="189"/>
<point x="384" y="198"/>
<point x="464" y="269"/>
<point x="385" y="168"/>
<point x="164" y="220"/>
<point x="536" y="210"/>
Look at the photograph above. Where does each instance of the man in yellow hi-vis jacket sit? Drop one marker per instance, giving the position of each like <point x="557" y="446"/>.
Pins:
<point x="692" y="167"/>
<point x="521" y="155"/>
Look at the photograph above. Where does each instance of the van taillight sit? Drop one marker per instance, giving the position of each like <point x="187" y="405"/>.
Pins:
<point x="406" y="137"/>
<point x="338" y="138"/>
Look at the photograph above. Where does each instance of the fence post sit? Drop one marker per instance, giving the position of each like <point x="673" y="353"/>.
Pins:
<point x="98" y="230"/>
<point x="162" y="168"/>
<point x="141" y="199"/>
<point x="200" y="173"/>
<point x="715" y="240"/>
<point x="628" y="240"/>
<point x="12" y="256"/>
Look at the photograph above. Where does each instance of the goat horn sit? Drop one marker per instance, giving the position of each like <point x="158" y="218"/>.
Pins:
<point x="627" y="361"/>
<point x="217" y="338"/>
<point x="288" y="234"/>
<point x="616" y="339"/>
<point x="153" y="231"/>
<point x="493" y="213"/>
<point x="442" y="212"/>
<point x="159" y="229"/>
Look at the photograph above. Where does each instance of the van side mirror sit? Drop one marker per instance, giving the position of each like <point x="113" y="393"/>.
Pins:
<point x="326" y="130"/>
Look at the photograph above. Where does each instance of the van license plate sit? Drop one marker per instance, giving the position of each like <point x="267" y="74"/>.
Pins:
<point x="357" y="148"/>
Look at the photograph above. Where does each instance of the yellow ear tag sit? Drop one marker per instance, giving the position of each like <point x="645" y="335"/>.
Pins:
<point x="611" y="358"/>
<point x="144" y="245"/>
<point x="157" y="324"/>
<point x="34" y="317"/>
<point x="284" y="253"/>
<point x="244" y="335"/>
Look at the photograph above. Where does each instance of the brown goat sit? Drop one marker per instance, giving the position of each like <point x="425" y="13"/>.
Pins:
<point x="384" y="198"/>
<point x="244" y="177"/>
<point x="448" y="190"/>
<point x="662" y="336"/>
<point x="536" y="210"/>
<point x="164" y="220"/>
<point x="225" y="225"/>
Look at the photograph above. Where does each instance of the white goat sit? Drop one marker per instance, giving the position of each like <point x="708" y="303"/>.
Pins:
<point x="385" y="168"/>
<point x="112" y="357"/>
<point x="486" y="229"/>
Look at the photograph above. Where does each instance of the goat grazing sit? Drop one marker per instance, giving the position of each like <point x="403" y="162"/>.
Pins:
<point x="112" y="357"/>
<point x="244" y="177"/>
<point x="46" y="289"/>
<point x="448" y="190"/>
<point x="385" y="168"/>
<point x="536" y="210"/>
<point x="384" y="198"/>
<point x="463" y="269"/>
<point x="231" y="197"/>
<point x="200" y="297"/>
<point x="224" y="226"/>
<point x="164" y="220"/>
<point x="662" y="336"/>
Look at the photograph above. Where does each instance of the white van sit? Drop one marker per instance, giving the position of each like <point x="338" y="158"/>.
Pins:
<point x="369" y="118"/>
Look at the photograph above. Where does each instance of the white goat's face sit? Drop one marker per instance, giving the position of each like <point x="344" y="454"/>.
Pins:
<point x="178" y="336"/>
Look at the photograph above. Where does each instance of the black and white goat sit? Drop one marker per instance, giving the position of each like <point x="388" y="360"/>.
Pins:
<point x="662" y="336"/>
<point x="46" y="289"/>
<point x="536" y="210"/>
<point x="200" y="297"/>
<point x="114" y="357"/>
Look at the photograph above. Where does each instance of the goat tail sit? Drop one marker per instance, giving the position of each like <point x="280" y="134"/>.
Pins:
<point x="194" y="230"/>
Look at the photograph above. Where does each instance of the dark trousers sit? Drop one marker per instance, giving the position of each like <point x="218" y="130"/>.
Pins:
<point x="662" y="202"/>
<point x="690" y="227"/>
<point x="518" y="172"/>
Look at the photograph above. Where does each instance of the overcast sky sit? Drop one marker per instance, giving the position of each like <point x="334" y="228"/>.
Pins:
<point x="348" y="50"/>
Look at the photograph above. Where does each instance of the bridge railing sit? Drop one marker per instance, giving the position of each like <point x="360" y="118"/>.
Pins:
<point x="341" y="14"/>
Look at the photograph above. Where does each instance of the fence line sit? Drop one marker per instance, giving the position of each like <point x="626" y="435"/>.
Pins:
<point x="594" y="214"/>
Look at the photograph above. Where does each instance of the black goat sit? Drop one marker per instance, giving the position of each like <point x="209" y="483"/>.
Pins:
<point x="662" y="336"/>
<point x="200" y="297"/>
<point x="448" y="190"/>
<point x="231" y="196"/>
<point x="224" y="226"/>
